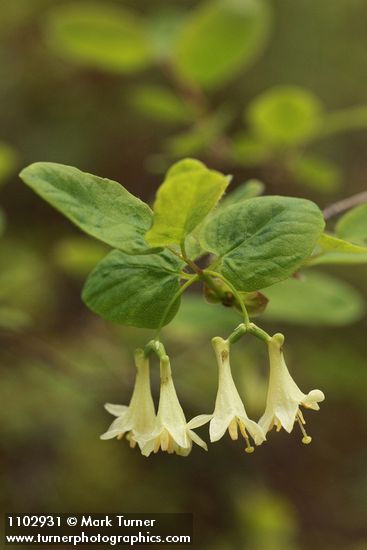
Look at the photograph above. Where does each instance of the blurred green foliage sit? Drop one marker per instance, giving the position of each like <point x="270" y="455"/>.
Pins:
<point x="108" y="111"/>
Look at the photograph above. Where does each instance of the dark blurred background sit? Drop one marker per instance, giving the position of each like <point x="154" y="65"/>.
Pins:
<point x="128" y="118"/>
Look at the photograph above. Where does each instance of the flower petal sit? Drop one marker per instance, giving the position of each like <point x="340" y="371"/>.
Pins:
<point x="286" y="413"/>
<point x="218" y="426"/>
<point x="116" y="410"/>
<point x="199" y="420"/>
<point x="255" y="430"/>
<point x="196" y="439"/>
<point x="311" y="400"/>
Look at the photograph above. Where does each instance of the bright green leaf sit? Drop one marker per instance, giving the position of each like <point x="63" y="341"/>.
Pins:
<point x="187" y="195"/>
<point x="316" y="172"/>
<point x="103" y="36"/>
<point x="263" y="240"/>
<point x="353" y="225"/>
<point x="220" y="38"/>
<point x="161" y="104"/>
<point x="314" y="299"/>
<point x="331" y="250"/>
<point x="100" y="207"/>
<point x="134" y="290"/>
<point x="185" y="166"/>
<point x="284" y="115"/>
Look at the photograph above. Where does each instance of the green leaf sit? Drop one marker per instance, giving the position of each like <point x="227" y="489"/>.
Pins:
<point x="102" y="36"/>
<point x="353" y="225"/>
<point x="189" y="192"/>
<point x="161" y="104"/>
<point x="220" y="38"/>
<point x="314" y="299"/>
<point x="263" y="240"/>
<point x="100" y="207"/>
<point x="316" y="172"/>
<point x="331" y="250"/>
<point x="134" y="290"/>
<point x="247" y="190"/>
<point x="284" y="115"/>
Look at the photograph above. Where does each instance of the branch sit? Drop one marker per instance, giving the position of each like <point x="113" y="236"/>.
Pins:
<point x="345" y="204"/>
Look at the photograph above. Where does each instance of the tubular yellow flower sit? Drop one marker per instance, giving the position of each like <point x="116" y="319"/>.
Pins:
<point x="229" y="410"/>
<point x="136" y="420"/>
<point x="284" y="396"/>
<point x="171" y="432"/>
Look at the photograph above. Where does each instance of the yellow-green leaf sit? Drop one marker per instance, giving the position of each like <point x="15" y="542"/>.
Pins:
<point x="220" y="38"/>
<point x="189" y="192"/>
<point x="99" y="35"/>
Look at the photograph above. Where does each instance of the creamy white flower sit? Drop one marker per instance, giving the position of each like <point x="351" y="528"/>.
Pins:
<point x="138" y="419"/>
<point x="171" y="432"/>
<point x="284" y="396"/>
<point x="229" y="410"/>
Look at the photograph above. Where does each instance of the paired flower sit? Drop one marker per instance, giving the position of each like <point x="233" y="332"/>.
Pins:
<point x="284" y="396"/>
<point x="229" y="410"/>
<point x="169" y="431"/>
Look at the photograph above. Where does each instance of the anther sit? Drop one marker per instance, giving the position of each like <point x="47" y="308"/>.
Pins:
<point x="306" y="439"/>
<point x="249" y="448"/>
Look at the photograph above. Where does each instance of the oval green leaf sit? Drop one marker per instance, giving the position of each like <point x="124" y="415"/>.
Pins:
<point x="187" y="195"/>
<point x="284" y="115"/>
<point x="134" y="290"/>
<point x="220" y="38"/>
<point x="107" y="37"/>
<point x="100" y="207"/>
<point x="264" y="240"/>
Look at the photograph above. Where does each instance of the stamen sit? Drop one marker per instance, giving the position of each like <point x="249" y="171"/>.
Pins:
<point x="249" y="448"/>
<point x="232" y="429"/>
<point x="170" y="448"/>
<point x="157" y="444"/>
<point x="306" y="438"/>
<point x="131" y="441"/>
<point x="120" y="436"/>
<point x="164" y="440"/>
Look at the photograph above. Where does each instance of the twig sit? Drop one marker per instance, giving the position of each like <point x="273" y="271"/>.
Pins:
<point x="345" y="204"/>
